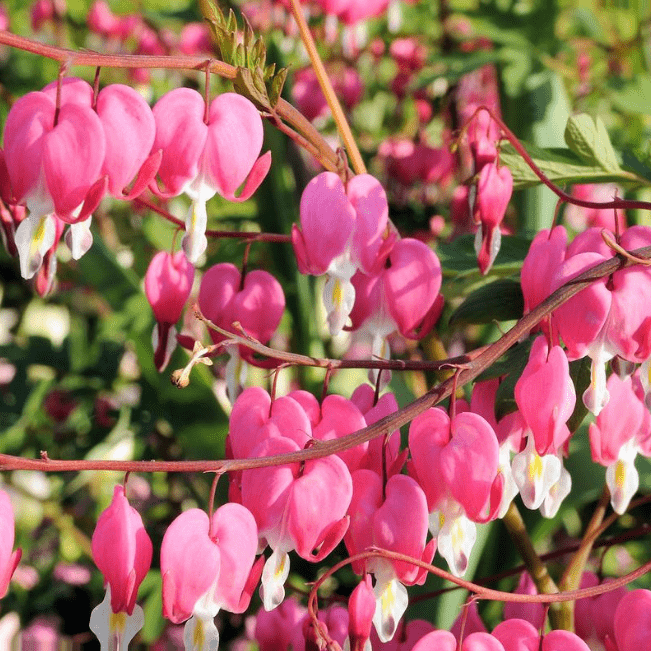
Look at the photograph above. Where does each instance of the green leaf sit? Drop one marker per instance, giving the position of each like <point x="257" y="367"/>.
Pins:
<point x="277" y="86"/>
<point x="112" y="281"/>
<point x="501" y="300"/>
<point x="633" y="96"/>
<point x="458" y="258"/>
<point x="639" y="162"/>
<point x="561" y="166"/>
<point x="589" y="139"/>
<point x="251" y="85"/>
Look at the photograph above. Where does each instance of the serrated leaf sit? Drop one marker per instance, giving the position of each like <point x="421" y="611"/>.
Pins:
<point x="210" y="11"/>
<point x="562" y="166"/>
<point x="269" y="71"/>
<point x="501" y="300"/>
<point x="589" y="139"/>
<point x="252" y="87"/>
<point x="277" y="86"/>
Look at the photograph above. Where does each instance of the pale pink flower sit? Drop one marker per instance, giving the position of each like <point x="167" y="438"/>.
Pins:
<point x="207" y="151"/>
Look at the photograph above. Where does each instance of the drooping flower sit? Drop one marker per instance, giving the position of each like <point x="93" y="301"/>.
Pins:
<point x="296" y="506"/>
<point x="394" y="519"/>
<point x="122" y="551"/>
<point x="609" y="317"/>
<point x="53" y="167"/>
<point x="207" y="151"/>
<point x="342" y="230"/>
<point x="455" y="462"/>
<point x="546" y="397"/>
<point x="617" y="436"/>
<point x="256" y="302"/>
<point x="208" y="565"/>
<point x="494" y="188"/>
<point x="8" y="559"/>
<point x="168" y="283"/>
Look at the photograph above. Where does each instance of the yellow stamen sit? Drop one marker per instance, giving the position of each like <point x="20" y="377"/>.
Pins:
<point x="280" y="567"/>
<point x="535" y="468"/>
<point x="620" y="474"/>
<point x="198" y="637"/>
<point x="337" y="294"/>
<point x="117" y="622"/>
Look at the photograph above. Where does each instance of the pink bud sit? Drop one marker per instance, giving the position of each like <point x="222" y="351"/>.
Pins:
<point x="361" y="608"/>
<point x="168" y="283"/>
<point x="122" y="551"/>
<point x="546" y="397"/>
<point x="8" y="559"/>
<point x="494" y="189"/>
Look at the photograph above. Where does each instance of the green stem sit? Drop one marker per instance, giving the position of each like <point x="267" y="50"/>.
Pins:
<point x="571" y="578"/>
<point x="536" y="568"/>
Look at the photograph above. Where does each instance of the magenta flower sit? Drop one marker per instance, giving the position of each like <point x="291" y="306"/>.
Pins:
<point x="361" y="608"/>
<point x="594" y="617"/>
<point x="256" y="302"/>
<point x="208" y="565"/>
<point x="383" y="453"/>
<point x="455" y="462"/>
<point x="53" y="168"/>
<point x="168" y="283"/>
<point x="545" y="397"/>
<point x="439" y="640"/>
<point x="611" y="316"/>
<point x="296" y="506"/>
<point x="207" y="151"/>
<point x="342" y="231"/>
<point x="255" y="418"/>
<point x="403" y="296"/>
<point x="8" y="559"/>
<point x="617" y="436"/>
<point x="122" y="551"/>
<point x="494" y="188"/>
<point x="545" y="256"/>
<point x="394" y="519"/>
<point x="633" y="621"/>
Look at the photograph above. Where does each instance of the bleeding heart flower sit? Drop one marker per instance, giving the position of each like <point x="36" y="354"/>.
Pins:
<point x="8" y="559"/>
<point x="53" y="168"/>
<point x="207" y="151"/>
<point x="296" y="506"/>
<point x="455" y="462"/>
<point x="494" y="189"/>
<point x="392" y="518"/>
<point x="255" y="302"/>
<point x="168" y="283"/>
<point x="342" y="230"/>
<point x="208" y="565"/>
<point x="122" y="551"/>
